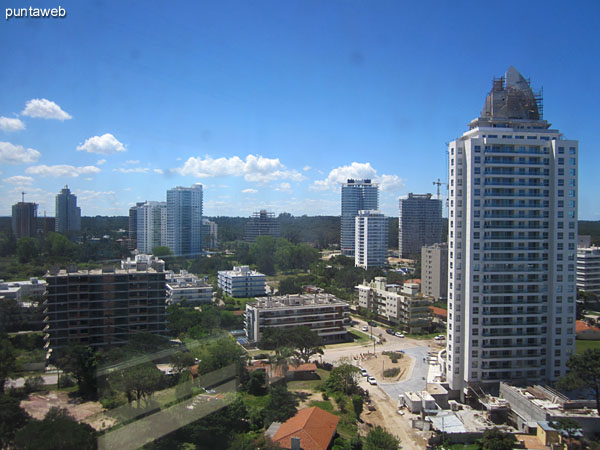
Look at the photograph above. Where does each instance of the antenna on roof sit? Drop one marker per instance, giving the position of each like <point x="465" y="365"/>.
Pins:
<point x="23" y="197"/>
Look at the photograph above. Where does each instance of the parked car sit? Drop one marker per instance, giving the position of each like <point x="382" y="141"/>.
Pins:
<point x="365" y="328"/>
<point x="373" y="324"/>
<point x="364" y="372"/>
<point x="398" y="334"/>
<point x="389" y="331"/>
<point x="372" y="380"/>
<point x="441" y="337"/>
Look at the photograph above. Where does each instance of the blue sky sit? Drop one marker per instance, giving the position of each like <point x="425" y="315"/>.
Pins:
<point x="271" y="104"/>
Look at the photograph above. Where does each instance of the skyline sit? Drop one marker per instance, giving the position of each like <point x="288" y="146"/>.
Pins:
<point x="273" y="106"/>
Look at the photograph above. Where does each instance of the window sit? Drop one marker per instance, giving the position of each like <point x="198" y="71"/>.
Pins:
<point x="561" y="150"/>
<point x="561" y="161"/>
<point x="571" y="172"/>
<point x="572" y="161"/>
<point x="561" y="172"/>
<point x="571" y="150"/>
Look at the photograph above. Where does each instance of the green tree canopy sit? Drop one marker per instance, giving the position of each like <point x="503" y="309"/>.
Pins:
<point x="12" y="417"/>
<point x="82" y="363"/>
<point x="584" y="372"/>
<point x="281" y="406"/>
<point x="7" y="360"/>
<point x="495" y="439"/>
<point x="344" y="378"/>
<point x="379" y="439"/>
<point x="161" y="250"/>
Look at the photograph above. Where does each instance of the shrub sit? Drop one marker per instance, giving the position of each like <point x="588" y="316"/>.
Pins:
<point x="33" y="384"/>
<point x="389" y="373"/>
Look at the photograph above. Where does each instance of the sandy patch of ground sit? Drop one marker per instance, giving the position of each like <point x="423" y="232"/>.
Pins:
<point x="376" y="364"/>
<point x="308" y="396"/>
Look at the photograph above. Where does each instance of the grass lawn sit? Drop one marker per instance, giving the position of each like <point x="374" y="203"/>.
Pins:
<point x="309" y="384"/>
<point x="582" y="345"/>
<point x="422" y="336"/>
<point x="260" y="401"/>
<point x="461" y="447"/>
<point x="361" y="338"/>
<point x="323" y="404"/>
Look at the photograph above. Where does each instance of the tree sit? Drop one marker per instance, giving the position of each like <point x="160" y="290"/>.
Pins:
<point x="584" y="372"/>
<point x="161" y="250"/>
<point x="12" y="417"/>
<point x="138" y="382"/>
<point x="379" y="439"/>
<point x="344" y="378"/>
<point x="357" y="404"/>
<point x="569" y="428"/>
<point x="495" y="439"/>
<point x="306" y="342"/>
<point x="81" y="362"/>
<point x="27" y="249"/>
<point x="7" y="361"/>
<point x="256" y="383"/>
<point x="289" y="285"/>
<point x="58" y="431"/>
<point x="219" y="353"/>
<point x="281" y="406"/>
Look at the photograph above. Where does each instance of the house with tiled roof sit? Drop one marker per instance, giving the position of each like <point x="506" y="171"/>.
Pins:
<point x="310" y="429"/>
<point x="585" y="331"/>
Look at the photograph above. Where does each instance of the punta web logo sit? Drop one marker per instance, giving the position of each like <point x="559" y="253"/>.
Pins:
<point x="36" y="13"/>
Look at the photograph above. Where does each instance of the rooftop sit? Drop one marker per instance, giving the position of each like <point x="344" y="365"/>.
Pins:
<point x="313" y="426"/>
<point x="285" y="301"/>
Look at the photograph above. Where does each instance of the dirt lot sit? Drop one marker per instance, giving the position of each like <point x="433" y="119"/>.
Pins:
<point x="376" y="364"/>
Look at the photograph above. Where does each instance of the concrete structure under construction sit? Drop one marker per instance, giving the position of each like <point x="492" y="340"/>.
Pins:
<point x="104" y="307"/>
<point x="434" y="271"/>
<point x="588" y="270"/>
<point x="324" y="314"/>
<point x="419" y="223"/>
<point x="187" y="286"/>
<point x="261" y="223"/>
<point x="242" y="282"/>
<point x="396" y="304"/>
<point x="24" y="219"/>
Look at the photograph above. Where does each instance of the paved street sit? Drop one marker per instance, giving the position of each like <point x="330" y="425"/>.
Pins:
<point x="20" y="382"/>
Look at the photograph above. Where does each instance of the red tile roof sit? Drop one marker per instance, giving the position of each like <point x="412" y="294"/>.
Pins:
<point x="314" y="426"/>
<point x="580" y="325"/>
<point x="439" y="311"/>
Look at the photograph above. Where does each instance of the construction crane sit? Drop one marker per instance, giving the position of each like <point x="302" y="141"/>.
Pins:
<point x="439" y="183"/>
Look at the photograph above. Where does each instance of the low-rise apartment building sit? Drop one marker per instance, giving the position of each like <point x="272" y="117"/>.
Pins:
<point x="242" y="282"/>
<point x="103" y="307"/>
<point x="22" y="290"/>
<point x="186" y="286"/>
<point x="325" y="314"/>
<point x="588" y="269"/>
<point x="397" y="304"/>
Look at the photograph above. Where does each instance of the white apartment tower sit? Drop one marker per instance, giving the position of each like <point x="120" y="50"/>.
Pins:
<point x="184" y="220"/>
<point x="512" y="243"/>
<point x="151" y="226"/>
<point x="371" y="239"/>
<point x="357" y="195"/>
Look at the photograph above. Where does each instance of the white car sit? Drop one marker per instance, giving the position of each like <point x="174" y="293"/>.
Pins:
<point x="400" y="335"/>
<point x="371" y="380"/>
<point x="441" y="337"/>
<point x="364" y="373"/>
<point x="365" y="328"/>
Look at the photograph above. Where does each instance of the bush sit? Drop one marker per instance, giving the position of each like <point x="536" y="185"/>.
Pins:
<point x="66" y="381"/>
<point x="33" y="384"/>
<point x="325" y="396"/>
<point x="394" y="355"/>
<point x="389" y="373"/>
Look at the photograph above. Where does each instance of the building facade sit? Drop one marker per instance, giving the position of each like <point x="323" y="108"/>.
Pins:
<point x="67" y="213"/>
<point x="132" y="226"/>
<point x="588" y="270"/>
<point x="434" y="271"/>
<point x="186" y="286"/>
<point x="209" y="234"/>
<point x="357" y="195"/>
<point x="396" y="304"/>
<point x="512" y="243"/>
<point x="419" y="223"/>
<point x="242" y="282"/>
<point x="184" y="220"/>
<point x="23" y="290"/>
<point x="106" y="306"/>
<point x="261" y="223"/>
<point x="24" y="219"/>
<point x="324" y="314"/>
<point x="371" y="239"/>
<point x="151" y="229"/>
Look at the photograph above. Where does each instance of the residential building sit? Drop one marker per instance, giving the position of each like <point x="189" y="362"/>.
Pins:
<point x="184" y="220"/>
<point x="209" y="234"/>
<point x="132" y="226"/>
<point x="588" y="270"/>
<point x="186" y="286"/>
<point x="357" y="195"/>
<point x="103" y="307"/>
<point x="67" y="213"/>
<point x="584" y="240"/>
<point x="242" y="282"/>
<point x="512" y="243"/>
<point x="324" y="314"/>
<point x="419" y="223"/>
<point x="311" y="428"/>
<point x="396" y="304"/>
<point x="151" y="229"/>
<point x="261" y="223"/>
<point x="434" y="271"/>
<point x="371" y="239"/>
<point x="24" y="217"/>
<point x="22" y="290"/>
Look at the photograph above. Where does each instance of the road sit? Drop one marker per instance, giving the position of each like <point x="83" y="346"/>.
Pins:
<point x="20" y="382"/>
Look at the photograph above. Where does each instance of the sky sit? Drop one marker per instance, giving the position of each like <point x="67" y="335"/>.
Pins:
<point x="273" y="104"/>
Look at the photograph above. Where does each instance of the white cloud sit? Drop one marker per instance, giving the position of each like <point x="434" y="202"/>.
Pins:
<point x="253" y="168"/>
<point x="284" y="187"/>
<point x="45" y="109"/>
<point x="250" y="191"/>
<point x="106" y="144"/>
<point x="306" y="168"/>
<point x="100" y="162"/>
<point x="8" y="124"/>
<point x="61" y="170"/>
<point x="159" y="171"/>
<point x="132" y="161"/>
<point x="132" y="170"/>
<point x="19" y="180"/>
<point x="17" y="154"/>
<point x="359" y="171"/>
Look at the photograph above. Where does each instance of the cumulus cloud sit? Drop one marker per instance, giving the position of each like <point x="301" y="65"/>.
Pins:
<point x="306" y="168"/>
<point x="8" y="124"/>
<point x="17" y="154"/>
<point x="45" y="109"/>
<point x="132" y="161"/>
<point x="100" y="162"/>
<point x="19" y="180"/>
<point x="250" y="191"/>
<point x="283" y="187"/>
<point x="133" y="170"/>
<point x="61" y="170"/>
<point x="359" y="171"/>
<point x="106" y="144"/>
<point x="254" y="168"/>
<point x="159" y="171"/>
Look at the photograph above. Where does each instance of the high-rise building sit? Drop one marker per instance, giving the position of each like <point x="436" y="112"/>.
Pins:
<point x="132" y="235"/>
<point x="209" y="234"/>
<point x="103" y="307"/>
<point x="371" y="239"/>
<point x="261" y="223"/>
<point x="588" y="270"/>
<point x="357" y="195"/>
<point x="419" y="223"/>
<point x="184" y="220"/>
<point x="434" y="270"/>
<point x="151" y="228"/>
<point x="512" y="243"/>
<point x="24" y="219"/>
<point x="67" y="213"/>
